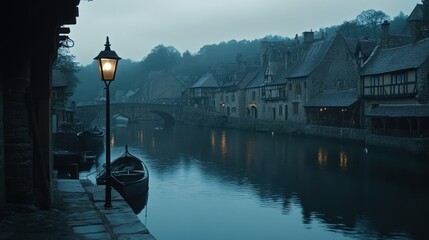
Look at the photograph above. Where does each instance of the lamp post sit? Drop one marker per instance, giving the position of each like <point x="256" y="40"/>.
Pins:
<point x="107" y="63"/>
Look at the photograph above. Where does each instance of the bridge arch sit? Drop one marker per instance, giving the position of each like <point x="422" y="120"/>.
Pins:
<point x="168" y="119"/>
<point x="132" y="111"/>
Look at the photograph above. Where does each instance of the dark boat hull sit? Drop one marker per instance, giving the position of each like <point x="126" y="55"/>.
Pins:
<point x="90" y="140"/>
<point x="131" y="189"/>
<point x="129" y="176"/>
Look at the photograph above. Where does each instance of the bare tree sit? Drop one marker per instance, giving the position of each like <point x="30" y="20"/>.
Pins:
<point x="68" y="66"/>
<point x="371" y="19"/>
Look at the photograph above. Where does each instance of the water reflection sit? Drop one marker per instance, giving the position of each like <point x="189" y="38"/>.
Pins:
<point x="138" y="202"/>
<point x="343" y="160"/>
<point x="216" y="175"/>
<point x="322" y="157"/>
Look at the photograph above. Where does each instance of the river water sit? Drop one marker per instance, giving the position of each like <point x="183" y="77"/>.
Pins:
<point x="210" y="183"/>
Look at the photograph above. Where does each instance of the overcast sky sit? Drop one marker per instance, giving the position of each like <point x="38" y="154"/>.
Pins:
<point x="135" y="27"/>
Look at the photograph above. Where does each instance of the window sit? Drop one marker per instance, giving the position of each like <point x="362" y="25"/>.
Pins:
<point x="399" y="83"/>
<point x="282" y="91"/>
<point x="298" y="89"/>
<point x="286" y="112"/>
<point x="341" y="84"/>
<point x="295" y="108"/>
<point x="233" y="97"/>
<point x="233" y="109"/>
<point x="280" y="110"/>
<point x="253" y="95"/>
<point x="375" y="85"/>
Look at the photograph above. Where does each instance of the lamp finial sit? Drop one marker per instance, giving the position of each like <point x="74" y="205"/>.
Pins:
<point x="107" y="45"/>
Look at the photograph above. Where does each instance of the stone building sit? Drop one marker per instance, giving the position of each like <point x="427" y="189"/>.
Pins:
<point x="418" y="21"/>
<point x="395" y="90"/>
<point x="29" y="48"/>
<point x="252" y="96"/>
<point x="303" y="82"/>
<point x="202" y="93"/>
<point x="162" y="87"/>
<point x="329" y="77"/>
<point x="230" y="97"/>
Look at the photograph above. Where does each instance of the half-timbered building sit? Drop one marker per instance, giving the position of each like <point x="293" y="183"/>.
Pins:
<point x="395" y="90"/>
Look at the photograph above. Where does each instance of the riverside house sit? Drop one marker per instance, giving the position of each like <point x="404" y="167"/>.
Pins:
<point x="202" y="93"/>
<point x="395" y="90"/>
<point x="313" y="82"/>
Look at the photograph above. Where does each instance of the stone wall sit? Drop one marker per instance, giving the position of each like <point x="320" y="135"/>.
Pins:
<point x="410" y="145"/>
<point x="2" y="171"/>
<point x="336" y="132"/>
<point x="419" y="146"/>
<point x="198" y="116"/>
<point x="18" y="152"/>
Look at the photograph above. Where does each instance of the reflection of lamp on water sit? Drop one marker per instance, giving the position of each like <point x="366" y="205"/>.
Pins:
<point x="343" y="160"/>
<point x="322" y="157"/>
<point x="107" y="62"/>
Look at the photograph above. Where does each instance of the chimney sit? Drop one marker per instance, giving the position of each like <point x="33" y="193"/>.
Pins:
<point x="385" y="34"/>
<point x="308" y="37"/>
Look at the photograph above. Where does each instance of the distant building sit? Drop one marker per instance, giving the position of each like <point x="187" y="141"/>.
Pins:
<point x="418" y="21"/>
<point x="313" y="82"/>
<point x="202" y="93"/>
<point x="161" y="87"/>
<point x="62" y="115"/>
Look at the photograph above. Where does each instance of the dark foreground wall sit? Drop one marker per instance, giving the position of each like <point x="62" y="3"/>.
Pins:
<point x="2" y="193"/>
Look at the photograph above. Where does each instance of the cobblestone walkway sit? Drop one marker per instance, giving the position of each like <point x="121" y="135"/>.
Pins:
<point x="77" y="213"/>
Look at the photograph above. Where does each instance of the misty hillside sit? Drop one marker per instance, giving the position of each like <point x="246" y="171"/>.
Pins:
<point x="189" y="67"/>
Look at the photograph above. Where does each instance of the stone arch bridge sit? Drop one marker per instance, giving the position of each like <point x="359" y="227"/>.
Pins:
<point x="133" y="111"/>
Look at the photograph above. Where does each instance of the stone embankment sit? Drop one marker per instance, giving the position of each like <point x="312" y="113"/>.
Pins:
<point x="418" y="146"/>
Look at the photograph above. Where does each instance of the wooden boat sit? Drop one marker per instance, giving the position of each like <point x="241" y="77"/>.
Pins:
<point x="63" y="158"/>
<point x="91" y="139"/>
<point x="129" y="175"/>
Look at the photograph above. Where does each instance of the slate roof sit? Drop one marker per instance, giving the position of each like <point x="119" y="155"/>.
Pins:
<point x="334" y="99"/>
<point x="248" y="78"/>
<point x="396" y="59"/>
<point x="404" y="110"/>
<point x="365" y="46"/>
<point x="257" y="81"/>
<point x="206" y="81"/>
<point x="279" y="78"/>
<point x="417" y="13"/>
<point x="312" y="55"/>
<point x="58" y="79"/>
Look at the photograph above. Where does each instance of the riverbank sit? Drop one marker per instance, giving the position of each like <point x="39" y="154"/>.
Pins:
<point x="77" y="212"/>
<point x="417" y="146"/>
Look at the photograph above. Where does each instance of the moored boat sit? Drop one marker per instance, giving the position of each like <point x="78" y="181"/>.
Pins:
<point x="129" y="175"/>
<point x="90" y="139"/>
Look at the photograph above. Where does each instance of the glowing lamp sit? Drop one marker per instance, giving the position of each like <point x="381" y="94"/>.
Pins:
<point x="107" y="62"/>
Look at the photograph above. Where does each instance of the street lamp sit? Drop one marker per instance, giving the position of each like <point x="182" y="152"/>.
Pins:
<point x="107" y="62"/>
